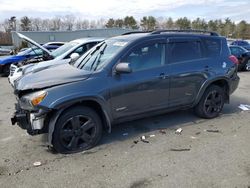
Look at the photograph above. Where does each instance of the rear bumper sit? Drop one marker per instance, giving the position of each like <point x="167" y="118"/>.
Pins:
<point x="234" y="83"/>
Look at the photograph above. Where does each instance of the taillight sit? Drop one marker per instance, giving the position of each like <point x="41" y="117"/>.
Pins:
<point x="234" y="59"/>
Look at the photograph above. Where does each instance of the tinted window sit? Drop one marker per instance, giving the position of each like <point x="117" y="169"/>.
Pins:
<point x="185" y="51"/>
<point x="146" y="56"/>
<point x="212" y="47"/>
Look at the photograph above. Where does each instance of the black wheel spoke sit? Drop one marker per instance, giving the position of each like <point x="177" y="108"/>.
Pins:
<point x="213" y="95"/>
<point x="88" y="125"/>
<point x="73" y="143"/>
<point x="209" y="109"/>
<point x="86" y="137"/>
<point x="75" y="122"/>
<point x="208" y="102"/>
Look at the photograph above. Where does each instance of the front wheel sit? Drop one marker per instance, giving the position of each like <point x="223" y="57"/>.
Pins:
<point x="211" y="103"/>
<point x="77" y="129"/>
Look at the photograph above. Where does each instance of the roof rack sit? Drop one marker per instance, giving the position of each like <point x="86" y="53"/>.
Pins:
<point x="135" y="32"/>
<point x="185" y="31"/>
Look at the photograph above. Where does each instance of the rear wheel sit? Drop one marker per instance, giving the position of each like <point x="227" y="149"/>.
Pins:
<point x="77" y="129"/>
<point x="211" y="103"/>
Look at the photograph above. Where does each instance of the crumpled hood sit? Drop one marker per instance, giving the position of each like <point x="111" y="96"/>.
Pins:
<point x="56" y="75"/>
<point x="11" y="59"/>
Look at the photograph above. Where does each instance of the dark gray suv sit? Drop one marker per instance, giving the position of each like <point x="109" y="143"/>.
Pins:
<point x="124" y="78"/>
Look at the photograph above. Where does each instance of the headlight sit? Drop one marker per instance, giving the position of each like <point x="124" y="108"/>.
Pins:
<point x="31" y="100"/>
<point x="38" y="98"/>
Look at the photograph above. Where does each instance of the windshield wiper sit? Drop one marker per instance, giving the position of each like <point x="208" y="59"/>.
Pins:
<point x="98" y="60"/>
<point x="82" y="64"/>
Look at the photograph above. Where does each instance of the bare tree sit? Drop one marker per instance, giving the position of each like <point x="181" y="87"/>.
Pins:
<point x="68" y="22"/>
<point x="36" y="24"/>
<point x="92" y="24"/>
<point x="56" y="23"/>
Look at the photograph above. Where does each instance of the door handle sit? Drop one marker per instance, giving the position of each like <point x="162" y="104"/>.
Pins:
<point x="207" y="68"/>
<point x="163" y="76"/>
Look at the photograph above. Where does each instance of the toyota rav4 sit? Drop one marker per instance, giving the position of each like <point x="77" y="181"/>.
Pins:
<point x="124" y="78"/>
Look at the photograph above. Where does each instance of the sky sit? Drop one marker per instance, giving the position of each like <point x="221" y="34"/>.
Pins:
<point x="236" y="10"/>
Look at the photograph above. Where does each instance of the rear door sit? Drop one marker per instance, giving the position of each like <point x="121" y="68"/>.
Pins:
<point x="188" y="69"/>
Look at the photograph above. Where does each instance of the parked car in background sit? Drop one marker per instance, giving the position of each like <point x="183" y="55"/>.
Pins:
<point x="4" y="51"/>
<point x="53" y="45"/>
<point x="126" y="78"/>
<point x="68" y="52"/>
<point x="32" y="54"/>
<point x="241" y="43"/>
<point x="242" y="55"/>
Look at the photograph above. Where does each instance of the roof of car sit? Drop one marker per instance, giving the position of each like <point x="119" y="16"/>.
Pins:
<point x="131" y="36"/>
<point x="236" y="46"/>
<point x="89" y="39"/>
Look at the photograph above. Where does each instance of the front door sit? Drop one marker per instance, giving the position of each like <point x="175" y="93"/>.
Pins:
<point x="146" y="88"/>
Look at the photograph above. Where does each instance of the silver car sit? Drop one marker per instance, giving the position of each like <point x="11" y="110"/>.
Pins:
<point x="68" y="52"/>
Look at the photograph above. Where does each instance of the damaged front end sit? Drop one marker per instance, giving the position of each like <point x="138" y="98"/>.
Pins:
<point x="28" y="115"/>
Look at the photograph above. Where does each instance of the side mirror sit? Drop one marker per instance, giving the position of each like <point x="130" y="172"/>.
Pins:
<point x="123" y="68"/>
<point x="74" y="56"/>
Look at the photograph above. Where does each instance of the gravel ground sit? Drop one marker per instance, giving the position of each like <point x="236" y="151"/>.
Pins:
<point x="195" y="158"/>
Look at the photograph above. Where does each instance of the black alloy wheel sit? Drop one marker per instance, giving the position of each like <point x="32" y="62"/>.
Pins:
<point x="211" y="103"/>
<point x="76" y="130"/>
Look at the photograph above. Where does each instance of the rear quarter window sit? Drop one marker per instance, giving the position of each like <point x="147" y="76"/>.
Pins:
<point x="212" y="47"/>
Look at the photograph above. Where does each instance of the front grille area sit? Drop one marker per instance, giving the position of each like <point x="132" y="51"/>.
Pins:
<point x="12" y="69"/>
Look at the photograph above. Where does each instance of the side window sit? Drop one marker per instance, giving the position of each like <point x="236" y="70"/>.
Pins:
<point x="80" y="50"/>
<point x="84" y="48"/>
<point x="36" y="52"/>
<point x="184" y="51"/>
<point x="90" y="45"/>
<point x="240" y="51"/>
<point x="146" y="56"/>
<point x="212" y="47"/>
<point x="234" y="51"/>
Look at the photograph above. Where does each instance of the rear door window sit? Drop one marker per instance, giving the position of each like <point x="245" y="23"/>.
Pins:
<point x="184" y="50"/>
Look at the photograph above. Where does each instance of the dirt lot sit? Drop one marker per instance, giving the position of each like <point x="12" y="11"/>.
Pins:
<point x="209" y="159"/>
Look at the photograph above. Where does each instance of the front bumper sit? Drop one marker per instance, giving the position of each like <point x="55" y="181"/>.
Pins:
<point x="33" y="122"/>
<point x="1" y="69"/>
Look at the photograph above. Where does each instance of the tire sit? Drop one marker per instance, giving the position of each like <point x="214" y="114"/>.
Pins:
<point x="211" y="103"/>
<point x="77" y="129"/>
<point x="6" y="70"/>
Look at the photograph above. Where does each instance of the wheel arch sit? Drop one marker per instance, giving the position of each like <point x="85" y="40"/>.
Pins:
<point x="91" y="103"/>
<point x="221" y="82"/>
